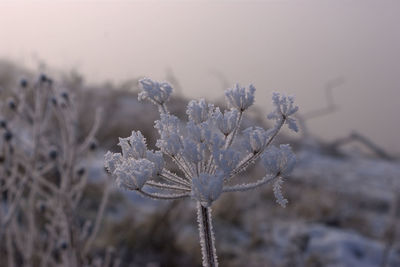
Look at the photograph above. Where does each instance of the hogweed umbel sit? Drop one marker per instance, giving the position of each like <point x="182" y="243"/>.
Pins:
<point x="209" y="150"/>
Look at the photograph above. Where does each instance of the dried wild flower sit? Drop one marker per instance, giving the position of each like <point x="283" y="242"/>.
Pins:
<point x="208" y="151"/>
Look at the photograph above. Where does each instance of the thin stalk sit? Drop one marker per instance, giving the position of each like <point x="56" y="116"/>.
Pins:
<point x="207" y="240"/>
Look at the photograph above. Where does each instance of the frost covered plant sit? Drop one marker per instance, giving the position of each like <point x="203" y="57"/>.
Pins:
<point x="209" y="150"/>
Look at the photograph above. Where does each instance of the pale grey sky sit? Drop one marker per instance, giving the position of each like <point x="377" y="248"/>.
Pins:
<point x="290" y="46"/>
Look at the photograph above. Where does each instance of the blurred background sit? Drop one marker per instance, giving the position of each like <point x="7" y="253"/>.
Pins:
<point x="292" y="46"/>
<point x="339" y="58"/>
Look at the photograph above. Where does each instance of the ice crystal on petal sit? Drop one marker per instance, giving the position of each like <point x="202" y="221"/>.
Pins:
<point x="240" y="97"/>
<point x="206" y="188"/>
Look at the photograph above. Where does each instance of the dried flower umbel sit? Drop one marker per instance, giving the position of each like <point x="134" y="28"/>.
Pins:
<point x="209" y="149"/>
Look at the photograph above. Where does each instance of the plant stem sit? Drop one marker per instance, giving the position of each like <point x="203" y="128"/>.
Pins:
<point x="206" y="233"/>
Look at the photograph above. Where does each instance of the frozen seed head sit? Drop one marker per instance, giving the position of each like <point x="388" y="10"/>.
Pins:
<point x="132" y="174"/>
<point x="279" y="161"/>
<point x="133" y="146"/>
<point x="112" y="161"/>
<point x="191" y="151"/>
<point x="170" y="145"/>
<point x="226" y="122"/>
<point x="199" y="111"/>
<point x="284" y="109"/>
<point x="138" y="144"/>
<point x="208" y="149"/>
<point x="255" y="139"/>
<point x="199" y="133"/>
<point x="240" y="98"/>
<point x="167" y="124"/>
<point x="157" y="159"/>
<point x="226" y="160"/>
<point x="157" y="93"/>
<point x="207" y="188"/>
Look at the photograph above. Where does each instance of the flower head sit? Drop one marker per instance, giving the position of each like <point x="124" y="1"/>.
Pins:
<point x="240" y="97"/>
<point x="132" y="174"/>
<point x="207" y="188"/>
<point x="133" y="146"/>
<point x="207" y="148"/>
<point x="198" y="111"/>
<point x="279" y="161"/>
<point x="158" y="93"/>
<point x="112" y="161"/>
<point x="284" y="109"/>
<point x="226" y="122"/>
<point x="255" y="139"/>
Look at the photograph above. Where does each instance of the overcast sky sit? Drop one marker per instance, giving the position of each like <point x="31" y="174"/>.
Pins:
<point x="289" y="46"/>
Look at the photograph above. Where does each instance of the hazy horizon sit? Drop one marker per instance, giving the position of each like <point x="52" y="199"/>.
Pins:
<point x="287" y="46"/>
